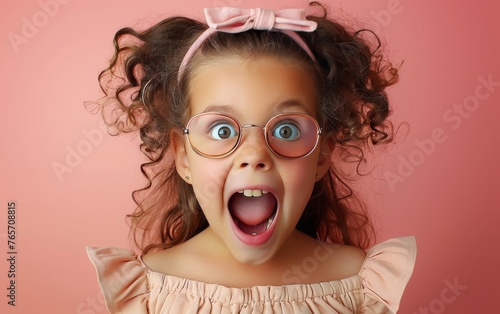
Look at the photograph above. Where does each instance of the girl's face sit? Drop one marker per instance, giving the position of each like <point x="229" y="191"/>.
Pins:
<point x="253" y="225"/>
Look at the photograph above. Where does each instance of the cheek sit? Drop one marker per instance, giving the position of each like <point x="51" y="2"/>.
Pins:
<point x="208" y="177"/>
<point x="299" y="180"/>
<point x="304" y="170"/>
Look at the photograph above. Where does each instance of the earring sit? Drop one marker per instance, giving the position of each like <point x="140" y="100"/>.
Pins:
<point x="317" y="175"/>
<point x="186" y="177"/>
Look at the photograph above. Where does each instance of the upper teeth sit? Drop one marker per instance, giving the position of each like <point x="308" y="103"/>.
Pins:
<point x="253" y="193"/>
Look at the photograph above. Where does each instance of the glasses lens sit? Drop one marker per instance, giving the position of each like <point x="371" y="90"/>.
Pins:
<point x="292" y="135"/>
<point x="213" y="135"/>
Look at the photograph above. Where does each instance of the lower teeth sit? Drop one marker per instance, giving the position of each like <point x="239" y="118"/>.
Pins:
<point x="269" y="222"/>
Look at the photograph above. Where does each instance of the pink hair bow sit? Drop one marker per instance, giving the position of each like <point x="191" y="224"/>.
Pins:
<point x="235" y="20"/>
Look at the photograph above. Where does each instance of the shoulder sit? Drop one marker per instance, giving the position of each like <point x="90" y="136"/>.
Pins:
<point x="154" y="259"/>
<point x="182" y="260"/>
<point x="344" y="261"/>
<point x="393" y="259"/>
<point x="325" y="261"/>
<point x="158" y="261"/>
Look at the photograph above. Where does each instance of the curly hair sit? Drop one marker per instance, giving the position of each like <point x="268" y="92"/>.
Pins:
<point x="142" y="92"/>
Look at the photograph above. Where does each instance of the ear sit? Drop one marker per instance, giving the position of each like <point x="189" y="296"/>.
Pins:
<point x="324" y="159"/>
<point x="180" y="155"/>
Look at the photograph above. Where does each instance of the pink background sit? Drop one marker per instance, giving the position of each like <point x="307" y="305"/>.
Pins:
<point x="446" y="194"/>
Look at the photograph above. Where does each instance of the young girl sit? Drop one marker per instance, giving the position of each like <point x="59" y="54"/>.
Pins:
<point x="245" y="122"/>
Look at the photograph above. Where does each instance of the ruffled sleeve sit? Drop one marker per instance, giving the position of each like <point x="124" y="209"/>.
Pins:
<point x="385" y="273"/>
<point x="122" y="278"/>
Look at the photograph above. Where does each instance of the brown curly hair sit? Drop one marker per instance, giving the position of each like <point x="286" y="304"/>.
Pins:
<point x="142" y="92"/>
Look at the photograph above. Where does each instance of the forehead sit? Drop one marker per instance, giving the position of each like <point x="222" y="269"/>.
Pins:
<point x="252" y="87"/>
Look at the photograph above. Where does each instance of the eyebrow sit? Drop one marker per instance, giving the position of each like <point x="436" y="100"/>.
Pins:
<point x="290" y="104"/>
<point x="280" y="107"/>
<point x="219" y="108"/>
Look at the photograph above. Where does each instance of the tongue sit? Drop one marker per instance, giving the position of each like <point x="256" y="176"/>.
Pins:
<point x="252" y="210"/>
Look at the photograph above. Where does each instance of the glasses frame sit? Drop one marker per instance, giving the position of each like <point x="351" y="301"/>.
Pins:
<point x="185" y="131"/>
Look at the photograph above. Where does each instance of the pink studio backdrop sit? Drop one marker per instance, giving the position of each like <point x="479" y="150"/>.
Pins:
<point x="438" y="184"/>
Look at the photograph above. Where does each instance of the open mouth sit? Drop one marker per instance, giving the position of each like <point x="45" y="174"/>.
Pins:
<point x="253" y="211"/>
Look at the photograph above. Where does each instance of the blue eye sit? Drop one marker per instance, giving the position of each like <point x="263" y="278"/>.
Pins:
<point x="286" y="131"/>
<point x="223" y="131"/>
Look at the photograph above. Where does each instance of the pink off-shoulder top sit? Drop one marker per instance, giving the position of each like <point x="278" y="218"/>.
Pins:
<point x="128" y="286"/>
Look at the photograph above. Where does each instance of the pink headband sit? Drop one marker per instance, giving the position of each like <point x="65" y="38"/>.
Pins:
<point x="235" y="20"/>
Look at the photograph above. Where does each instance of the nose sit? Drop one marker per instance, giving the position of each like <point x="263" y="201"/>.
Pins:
<point x="253" y="151"/>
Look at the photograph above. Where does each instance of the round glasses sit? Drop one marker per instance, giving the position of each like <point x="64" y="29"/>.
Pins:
<point x="288" y="135"/>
